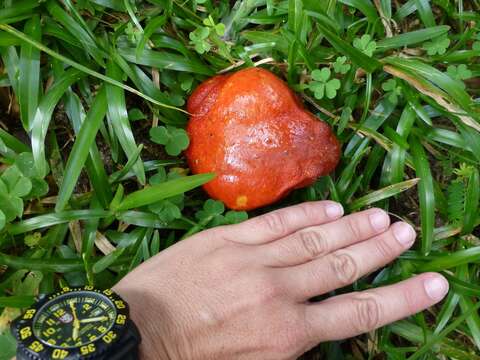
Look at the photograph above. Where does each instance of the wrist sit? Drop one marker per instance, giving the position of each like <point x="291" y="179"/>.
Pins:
<point x="152" y="345"/>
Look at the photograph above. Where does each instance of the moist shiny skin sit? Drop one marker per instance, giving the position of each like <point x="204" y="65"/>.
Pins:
<point x="252" y="131"/>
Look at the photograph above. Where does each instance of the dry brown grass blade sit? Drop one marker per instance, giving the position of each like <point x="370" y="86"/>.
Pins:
<point x="438" y="97"/>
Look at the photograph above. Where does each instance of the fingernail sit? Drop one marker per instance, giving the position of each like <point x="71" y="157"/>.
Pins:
<point x="436" y="287"/>
<point x="334" y="210"/>
<point x="404" y="233"/>
<point x="379" y="220"/>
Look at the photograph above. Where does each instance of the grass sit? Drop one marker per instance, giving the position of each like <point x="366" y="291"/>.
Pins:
<point x="83" y="82"/>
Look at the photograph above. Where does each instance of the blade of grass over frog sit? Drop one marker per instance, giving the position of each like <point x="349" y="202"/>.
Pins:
<point x="152" y="26"/>
<point x="451" y="260"/>
<point x="83" y="68"/>
<point x="366" y="7"/>
<point x="412" y="37"/>
<point x="425" y="12"/>
<point x="367" y="63"/>
<point x="164" y="60"/>
<point x="47" y="220"/>
<point x="471" y="201"/>
<point x="20" y="8"/>
<point x="76" y="29"/>
<point x="81" y="147"/>
<point x="425" y="194"/>
<point x="16" y="301"/>
<point x="117" y="111"/>
<point x="381" y="194"/>
<point x="43" y="115"/>
<point x="29" y="74"/>
<point x="164" y="190"/>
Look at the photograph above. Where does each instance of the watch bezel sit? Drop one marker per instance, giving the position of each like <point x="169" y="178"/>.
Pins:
<point x="22" y="329"/>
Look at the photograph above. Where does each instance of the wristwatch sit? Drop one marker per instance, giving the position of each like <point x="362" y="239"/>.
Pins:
<point x="79" y="323"/>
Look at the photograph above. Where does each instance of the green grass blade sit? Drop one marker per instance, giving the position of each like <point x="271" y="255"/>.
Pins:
<point x="83" y="68"/>
<point x="43" y="115"/>
<point x="425" y="194"/>
<point x="471" y="202"/>
<point x="382" y="194"/>
<point x="117" y="112"/>
<point x="47" y="220"/>
<point x="412" y="37"/>
<point x="20" y="8"/>
<point x="162" y="191"/>
<point x="29" y="74"/>
<point x="164" y="60"/>
<point x="80" y="150"/>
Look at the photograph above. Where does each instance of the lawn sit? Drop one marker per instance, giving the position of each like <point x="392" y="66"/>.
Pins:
<point x="88" y="190"/>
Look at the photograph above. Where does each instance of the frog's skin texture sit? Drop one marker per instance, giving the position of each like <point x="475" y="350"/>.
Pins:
<point x="251" y="130"/>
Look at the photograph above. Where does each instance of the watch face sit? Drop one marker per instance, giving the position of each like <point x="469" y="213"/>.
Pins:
<point x="74" y="319"/>
<point x="72" y="324"/>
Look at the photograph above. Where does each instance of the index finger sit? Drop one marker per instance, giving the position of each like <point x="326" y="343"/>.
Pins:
<point x="280" y="223"/>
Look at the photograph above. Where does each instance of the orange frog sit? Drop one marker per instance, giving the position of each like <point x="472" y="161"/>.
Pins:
<point x="250" y="129"/>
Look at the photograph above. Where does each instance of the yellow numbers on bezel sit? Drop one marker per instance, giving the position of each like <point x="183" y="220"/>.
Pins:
<point x="109" y="337"/>
<point x="36" y="346"/>
<point x="119" y="304"/>
<point x="87" y="349"/>
<point x="29" y="314"/>
<point x="59" y="354"/>
<point x="25" y="332"/>
<point x="121" y="319"/>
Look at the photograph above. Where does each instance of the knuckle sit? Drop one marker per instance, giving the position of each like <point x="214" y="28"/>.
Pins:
<point x="353" y="229"/>
<point x="384" y="248"/>
<point x="313" y="243"/>
<point x="367" y="313"/>
<point x="344" y="267"/>
<point x="275" y="222"/>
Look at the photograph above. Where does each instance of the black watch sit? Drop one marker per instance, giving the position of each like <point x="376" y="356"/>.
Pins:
<point x="80" y="323"/>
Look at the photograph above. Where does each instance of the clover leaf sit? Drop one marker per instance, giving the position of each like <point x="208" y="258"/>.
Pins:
<point x="339" y="65"/>
<point x="392" y="90"/>
<point x="186" y="81"/>
<point x="175" y="140"/>
<point x="219" y="28"/>
<point x="235" y="217"/>
<point x="365" y="44"/>
<point x="166" y="210"/>
<point x="211" y="214"/>
<point x="199" y="39"/>
<point x="323" y="85"/>
<point x="460" y="72"/>
<point x="439" y="45"/>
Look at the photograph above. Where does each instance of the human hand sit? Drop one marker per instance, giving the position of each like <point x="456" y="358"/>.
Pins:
<point x="241" y="291"/>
